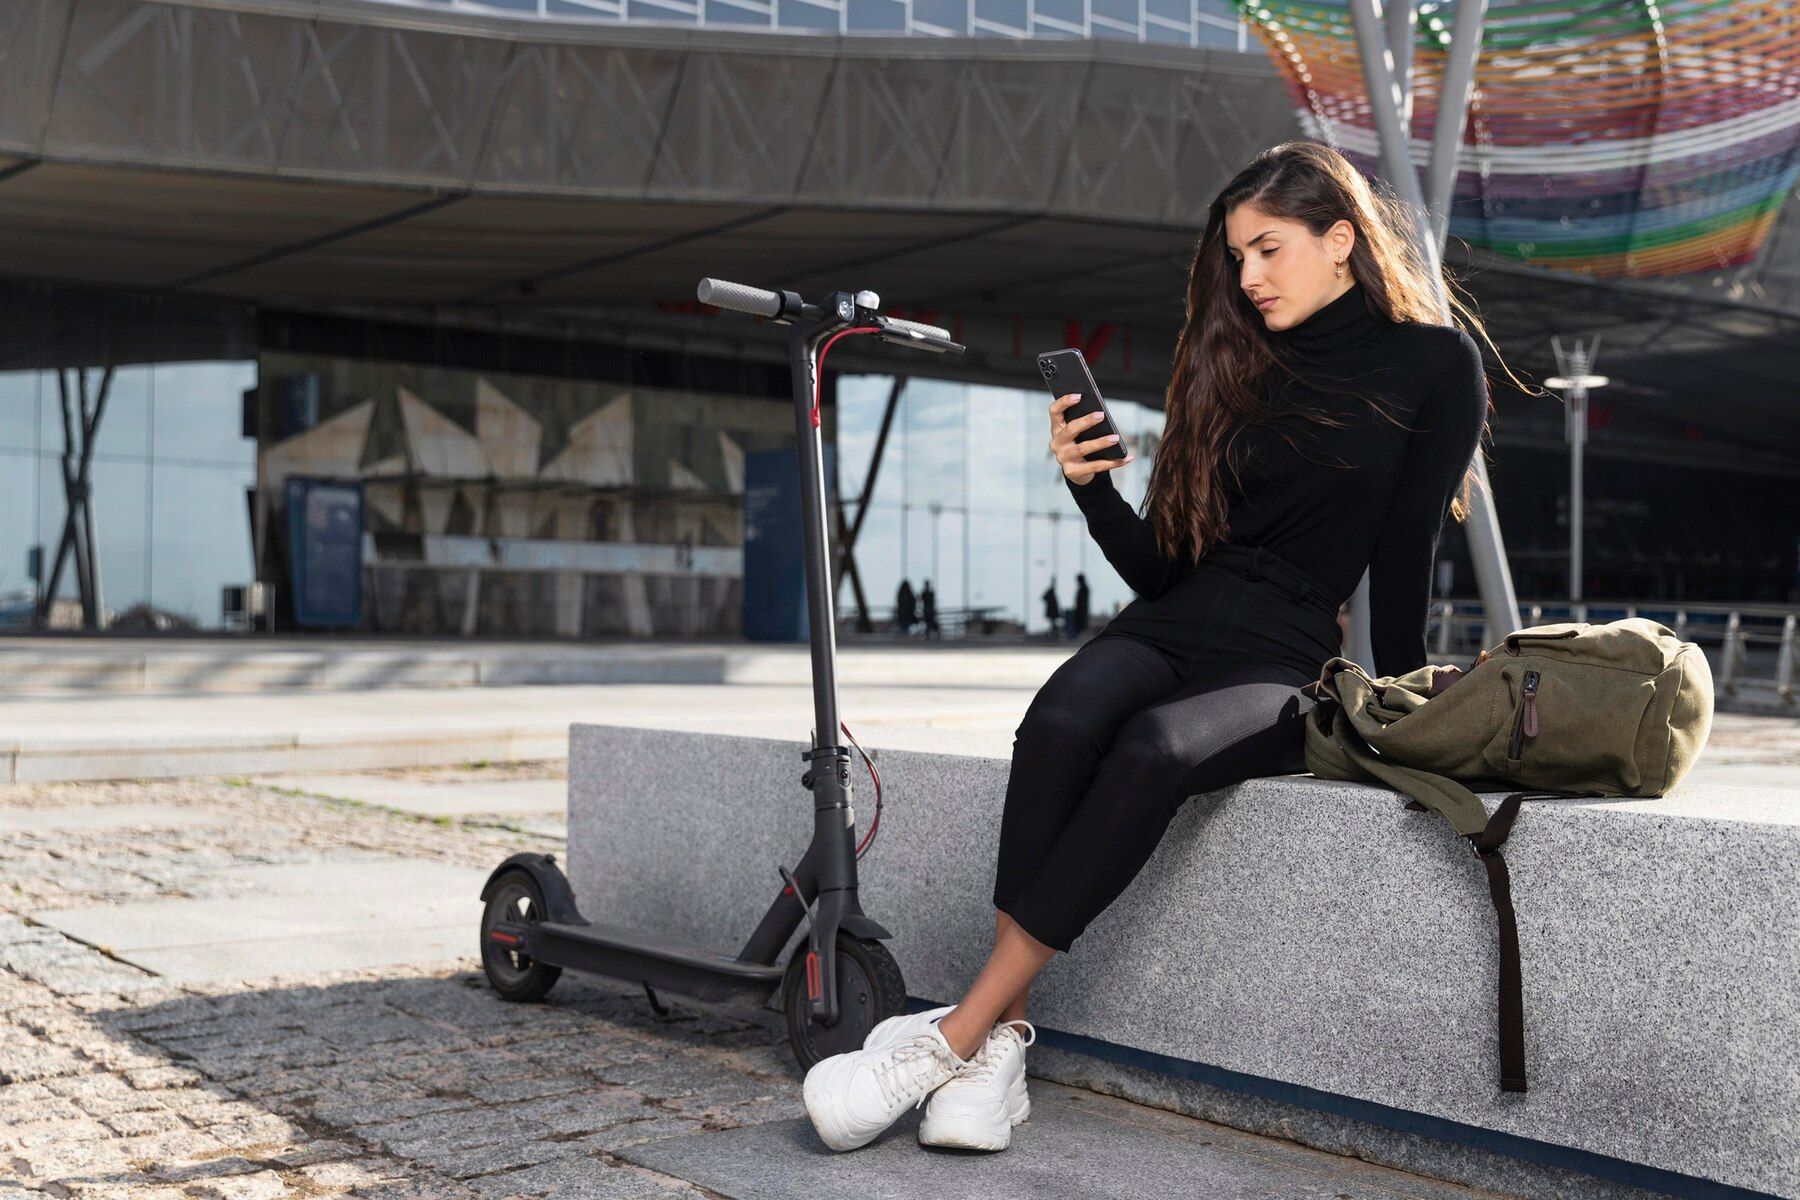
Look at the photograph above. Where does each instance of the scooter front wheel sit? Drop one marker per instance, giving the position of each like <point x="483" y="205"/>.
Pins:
<point x="870" y="990"/>
<point x="514" y="975"/>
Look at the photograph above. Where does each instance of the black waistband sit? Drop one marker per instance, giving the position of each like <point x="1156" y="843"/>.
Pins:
<point x="1259" y="562"/>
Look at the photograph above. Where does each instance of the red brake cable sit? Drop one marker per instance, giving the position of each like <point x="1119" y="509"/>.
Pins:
<point x="874" y="821"/>
<point x="819" y="364"/>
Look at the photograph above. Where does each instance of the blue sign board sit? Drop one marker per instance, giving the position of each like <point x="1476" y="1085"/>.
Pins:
<point x="774" y="543"/>
<point x="325" y="538"/>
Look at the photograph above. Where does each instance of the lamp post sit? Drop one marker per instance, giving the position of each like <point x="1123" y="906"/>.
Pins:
<point x="1575" y="363"/>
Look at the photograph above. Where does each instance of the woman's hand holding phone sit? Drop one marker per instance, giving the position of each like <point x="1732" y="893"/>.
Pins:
<point x="1071" y="454"/>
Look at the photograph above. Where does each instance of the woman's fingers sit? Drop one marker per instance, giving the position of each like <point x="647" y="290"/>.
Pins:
<point x="1071" y="454"/>
<point x="1065" y="431"/>
<point x="1083" y="471"/>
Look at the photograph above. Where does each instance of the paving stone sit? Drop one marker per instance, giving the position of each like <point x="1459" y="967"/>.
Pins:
<point x="263" y="1185"/>
<point x="417" y="1189"/>
<point x="498" y="1157"/>
<point x="636" y="1133"/>
<point x="24" y="1062"/>
<point x="529" y="1087"/>
<point x="600" y="1107"/>
<point x="129" y="1124"/>
<point x="337" y="1175"/>
<point x="573" y="1179"/>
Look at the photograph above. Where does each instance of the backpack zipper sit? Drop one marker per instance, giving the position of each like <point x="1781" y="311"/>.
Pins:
<point x="1525" y="724"/>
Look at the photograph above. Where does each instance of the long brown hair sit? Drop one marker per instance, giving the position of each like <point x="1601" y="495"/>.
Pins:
<point x="1223" y="350"/>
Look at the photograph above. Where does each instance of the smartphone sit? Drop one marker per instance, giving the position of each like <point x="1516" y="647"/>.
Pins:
<point x="1067" y="371"/>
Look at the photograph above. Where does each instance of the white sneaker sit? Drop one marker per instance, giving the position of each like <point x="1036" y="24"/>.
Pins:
<point x="851" y="1097"/>
<point x="977" y="1109"/>
<point x="898" y="1029"/>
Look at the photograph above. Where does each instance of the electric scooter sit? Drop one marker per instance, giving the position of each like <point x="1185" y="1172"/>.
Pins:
<point x="840" y="981"/>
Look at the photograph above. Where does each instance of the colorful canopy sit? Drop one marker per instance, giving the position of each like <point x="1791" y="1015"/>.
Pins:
<point x="1614" y="138"/>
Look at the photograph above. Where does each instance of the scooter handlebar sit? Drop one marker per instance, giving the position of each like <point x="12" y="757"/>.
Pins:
<point x="761" y="302"/>
<point x="739" y="297"/>
<point x="915" y="329"/>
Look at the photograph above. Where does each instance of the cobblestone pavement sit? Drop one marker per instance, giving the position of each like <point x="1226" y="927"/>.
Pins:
<point x="397" y="1082"/>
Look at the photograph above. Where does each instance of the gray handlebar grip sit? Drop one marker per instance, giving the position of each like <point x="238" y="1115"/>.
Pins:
<point x="895" y="325"/>
<point x="739" y="297"/>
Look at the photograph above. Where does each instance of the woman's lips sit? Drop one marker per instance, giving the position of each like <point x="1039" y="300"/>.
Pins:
<point x="1263" y="304"/>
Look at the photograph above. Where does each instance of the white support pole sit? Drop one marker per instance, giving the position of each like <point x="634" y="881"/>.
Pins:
<point x="1453" y="119"/>
<point x="1359" y="646"/>
<point x="1400" y="26"/>
<point x="1387" y="106"/>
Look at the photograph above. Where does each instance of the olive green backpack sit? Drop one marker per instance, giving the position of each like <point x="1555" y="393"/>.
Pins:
<point x="1571" y="709"/>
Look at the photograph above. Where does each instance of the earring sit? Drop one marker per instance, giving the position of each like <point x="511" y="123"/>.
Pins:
<point x="1340" y="269"/>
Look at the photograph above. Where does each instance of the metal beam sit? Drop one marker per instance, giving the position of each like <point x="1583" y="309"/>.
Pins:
<point x="313" y="243"/>
<point x="862" y="505"/>
<point x="530" y="283"/>
<point x="81" y="414"/>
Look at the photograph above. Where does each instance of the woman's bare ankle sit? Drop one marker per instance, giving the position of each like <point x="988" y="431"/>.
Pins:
<point x="965" y="1041"/>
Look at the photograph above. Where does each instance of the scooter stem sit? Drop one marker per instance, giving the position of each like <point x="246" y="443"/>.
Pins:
<point x="834" y="820"/>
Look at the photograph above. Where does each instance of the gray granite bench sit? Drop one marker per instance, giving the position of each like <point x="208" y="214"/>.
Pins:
<point x="1307" y="958"/>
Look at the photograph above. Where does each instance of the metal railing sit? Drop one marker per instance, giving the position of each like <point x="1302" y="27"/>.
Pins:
<point x="1748" y="644"/>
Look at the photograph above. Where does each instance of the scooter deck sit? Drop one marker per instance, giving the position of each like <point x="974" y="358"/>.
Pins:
<point x="628" y="954"/>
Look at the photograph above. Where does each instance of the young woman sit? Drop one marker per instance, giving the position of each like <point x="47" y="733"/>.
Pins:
<point x="1318" y="423"/>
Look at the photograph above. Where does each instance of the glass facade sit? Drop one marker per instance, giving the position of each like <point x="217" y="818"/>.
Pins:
<point x="1211" y="23"/>
<point x="968" y="497"/>
<point x="511" y="485"/>
<point x="507" y="503"/>
<point x="169" y="481"/>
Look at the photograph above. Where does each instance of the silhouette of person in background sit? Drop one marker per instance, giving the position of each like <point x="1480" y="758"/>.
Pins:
<point x="928" y="610"/>
<point x="1052" y="610"/>
<point x="1078" y="620"/>
<point x="905" y="612"/>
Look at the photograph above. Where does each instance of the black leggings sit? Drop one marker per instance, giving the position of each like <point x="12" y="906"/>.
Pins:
<point x="1116" y="739"/>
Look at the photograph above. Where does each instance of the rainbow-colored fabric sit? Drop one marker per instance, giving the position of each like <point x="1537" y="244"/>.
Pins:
<point x="1613" y="138"/>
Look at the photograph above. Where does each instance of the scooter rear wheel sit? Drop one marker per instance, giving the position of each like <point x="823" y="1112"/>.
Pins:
<point x="870" y="990"/>
<point x="515" y="976"/>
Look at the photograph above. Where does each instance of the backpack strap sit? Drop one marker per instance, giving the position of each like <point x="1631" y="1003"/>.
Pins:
<point x="1487" y="845"/>
<point x="1466" y="814"/>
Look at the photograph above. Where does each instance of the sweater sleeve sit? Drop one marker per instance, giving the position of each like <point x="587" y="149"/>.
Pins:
<point x="1126" y="539"/>
<point x="1439" y="449"/>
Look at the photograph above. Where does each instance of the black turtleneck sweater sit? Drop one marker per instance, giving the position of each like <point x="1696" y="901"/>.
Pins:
<point x="1364" y="494"/>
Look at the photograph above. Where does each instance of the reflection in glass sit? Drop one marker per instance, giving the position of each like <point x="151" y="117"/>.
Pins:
<point x="968" y="496"/>
<point x="169" y="475"/>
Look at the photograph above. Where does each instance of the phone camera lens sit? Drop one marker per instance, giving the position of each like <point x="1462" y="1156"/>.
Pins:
<point x="1049" y="370"/>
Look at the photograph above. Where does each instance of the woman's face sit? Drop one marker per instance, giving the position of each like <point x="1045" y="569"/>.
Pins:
<point x="1278" y="262"/>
